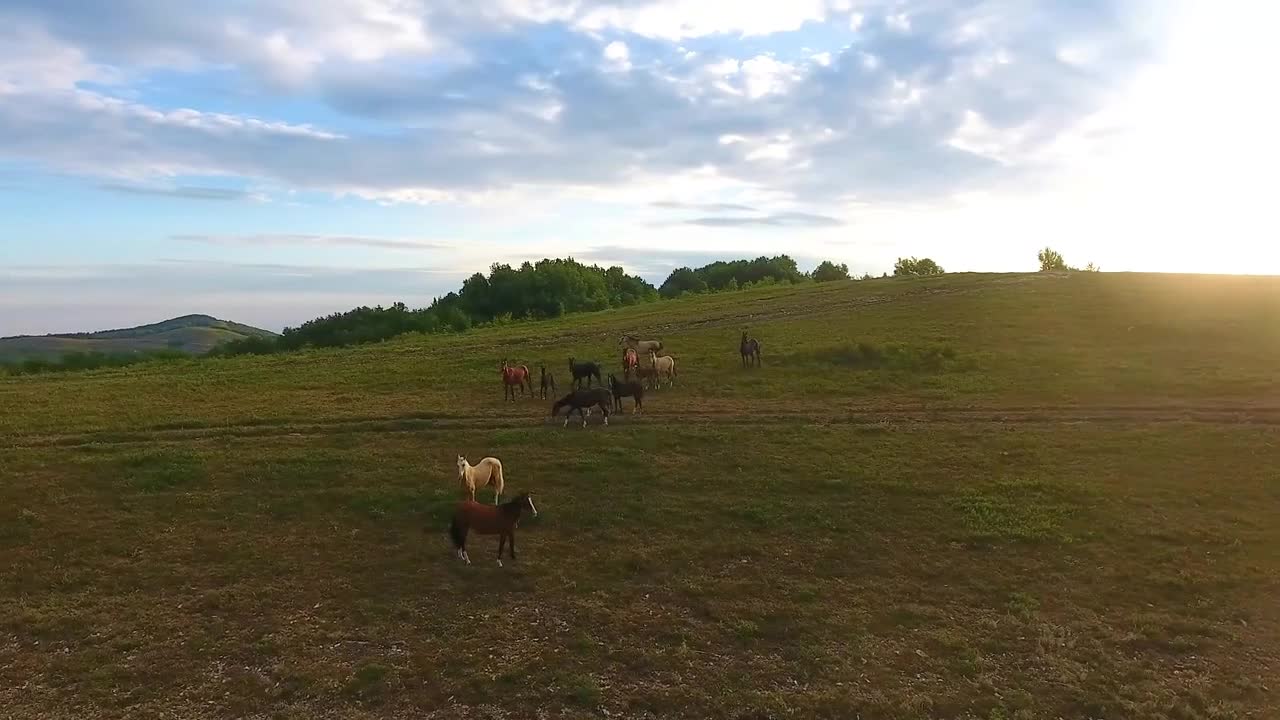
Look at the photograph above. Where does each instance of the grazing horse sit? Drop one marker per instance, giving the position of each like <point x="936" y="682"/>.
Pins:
<point x="513" y="376"/>
<point x="663" y="365"/>
<point x="582" y="400"/>
<point x="633" y="389"/>
<point x="548" y="381"/>
<point x="581" y="370"/>
<point x="483" y="474"/>
<point x="500" y="520"/>
<point x="750" y="349"/>
<point x="630" y="361"/>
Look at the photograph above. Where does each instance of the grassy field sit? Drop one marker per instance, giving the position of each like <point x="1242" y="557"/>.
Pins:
<point x="973" y="496"/>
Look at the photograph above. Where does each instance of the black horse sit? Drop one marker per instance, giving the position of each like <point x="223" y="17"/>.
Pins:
<point x="586" y="370"/>
<point x="548" y="381"/>
<point x="581" y="400"/>
<point x="750" y="349"/>
<point x="628" y="388"/>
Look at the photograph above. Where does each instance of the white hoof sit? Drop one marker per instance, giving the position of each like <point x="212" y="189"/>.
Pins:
<point x="499" y="563"/>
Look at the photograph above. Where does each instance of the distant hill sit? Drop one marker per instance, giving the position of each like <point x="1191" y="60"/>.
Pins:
<point x="195" y="334"/>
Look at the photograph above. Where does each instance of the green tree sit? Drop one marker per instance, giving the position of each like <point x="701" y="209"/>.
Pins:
<point x="1051" y="260"/>
<point x="828" y="271"/>
<point x="680" y="281"/>
<point x="916" y="267"/>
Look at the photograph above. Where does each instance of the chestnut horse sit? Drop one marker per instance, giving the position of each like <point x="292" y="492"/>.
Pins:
<point x="500" y="520"/>
<point x="630" y="361"/>
<point x="513" y="376"/>
<point x="750" y="349"/>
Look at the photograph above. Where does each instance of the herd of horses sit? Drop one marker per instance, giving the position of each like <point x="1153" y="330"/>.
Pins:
<point x="501" y="519"/>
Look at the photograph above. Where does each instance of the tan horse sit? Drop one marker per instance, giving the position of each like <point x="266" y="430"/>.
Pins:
<point x="664" y="365"/>
<point x="639" y="345"/>
<point x="487" y="472"/>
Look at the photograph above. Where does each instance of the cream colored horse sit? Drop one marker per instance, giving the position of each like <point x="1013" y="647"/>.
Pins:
<point x="663" y="365"/>
<point x="483" y="474"/>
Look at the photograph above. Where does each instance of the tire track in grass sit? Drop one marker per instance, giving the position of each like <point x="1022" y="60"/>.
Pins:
<point x="429" y="422"/>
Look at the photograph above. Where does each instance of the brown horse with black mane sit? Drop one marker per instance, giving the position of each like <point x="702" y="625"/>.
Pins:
<point x="750" y="350"/>
<point x="500" y="520"/>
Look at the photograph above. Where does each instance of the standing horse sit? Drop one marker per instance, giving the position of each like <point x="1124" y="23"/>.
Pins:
<point x="548" y="381"/>
<point x="750" y="349"/>
<point x="639" y="345"/>
<point x="582" y="370"/>
<point x="500" y="520"/>
<point x="663" y="365"/>
<point x="648" y="376"/>
<point x="633" y="389"/>
<point x="483" y="474"/>
<point x="581" y="400"/>
<point x="630" y="361"/>
<point x="513" y="376"/>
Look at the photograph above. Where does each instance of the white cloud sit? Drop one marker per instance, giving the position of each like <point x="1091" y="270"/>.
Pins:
<point x="617" y="55"/>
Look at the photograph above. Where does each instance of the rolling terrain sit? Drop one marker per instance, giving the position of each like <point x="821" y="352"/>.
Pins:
<point x="969" y="496"/>
<point x="192" y="334"/>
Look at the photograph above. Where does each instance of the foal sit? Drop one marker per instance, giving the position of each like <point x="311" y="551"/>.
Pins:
<point x="629" y="388"/>
<point x="750" y="349"/>
<point x="548" y="381"/>
<point x="500" y="520"/>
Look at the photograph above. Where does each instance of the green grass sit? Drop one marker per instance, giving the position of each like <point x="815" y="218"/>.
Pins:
<point x="1064" y="517"/>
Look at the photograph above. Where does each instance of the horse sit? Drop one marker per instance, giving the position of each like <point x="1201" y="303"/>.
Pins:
<point x="500" y="520"/>
<point x="548" y="381"/>
<point x="582" y="370"/>
<point x="630" y="361"/>
<point x="639" y="345"/>
<point x="663" y="365"/>
<point x="750" y="349"/>
<point x="515" y="375"/>
<point x="581" y="400"/>
<point x="483" y="474"/>
<point x="649" y="376"/>
<point x="629" y="388"/>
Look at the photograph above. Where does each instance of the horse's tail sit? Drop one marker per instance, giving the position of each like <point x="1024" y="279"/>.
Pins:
<point x="495" y="477"/>
<point x="673" y="368"/>
<point x="457" y="533"/>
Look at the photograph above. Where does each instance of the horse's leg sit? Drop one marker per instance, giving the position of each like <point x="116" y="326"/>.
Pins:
<point x="502" y="540"/>
<point x="511" y="543"/>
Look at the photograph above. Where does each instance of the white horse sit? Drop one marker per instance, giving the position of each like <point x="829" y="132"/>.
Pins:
<point x="663" y="365"/>
<point x="483" y="474"/>
<point x="640" y="346"/>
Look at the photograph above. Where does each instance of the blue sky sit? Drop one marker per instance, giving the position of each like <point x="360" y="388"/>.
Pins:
<point x="275" y="160"/>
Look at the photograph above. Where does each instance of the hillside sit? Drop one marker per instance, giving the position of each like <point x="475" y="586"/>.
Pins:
<point x="967" y="496"/>
<point x="194" y="334"/>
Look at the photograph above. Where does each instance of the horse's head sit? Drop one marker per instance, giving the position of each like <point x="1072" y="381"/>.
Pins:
<point x="525" y="502"/>
<point x="462" y="464"/>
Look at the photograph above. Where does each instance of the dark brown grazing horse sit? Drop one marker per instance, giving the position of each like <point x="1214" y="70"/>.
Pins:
<point x="750" y="349"/>
<point x="548" y="381"/>
<point x="581" y="400"/>
<point x="513" y="376"/>
<point x="628" y="388"/>
<point x="500" y="520"/>
<point x="630" y="361"/>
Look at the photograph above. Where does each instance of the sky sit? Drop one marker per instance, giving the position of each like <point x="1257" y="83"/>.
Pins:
<point x="269" y="161"/>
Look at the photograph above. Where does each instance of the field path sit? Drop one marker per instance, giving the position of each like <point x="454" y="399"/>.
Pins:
<point x="1214" y="414"/>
